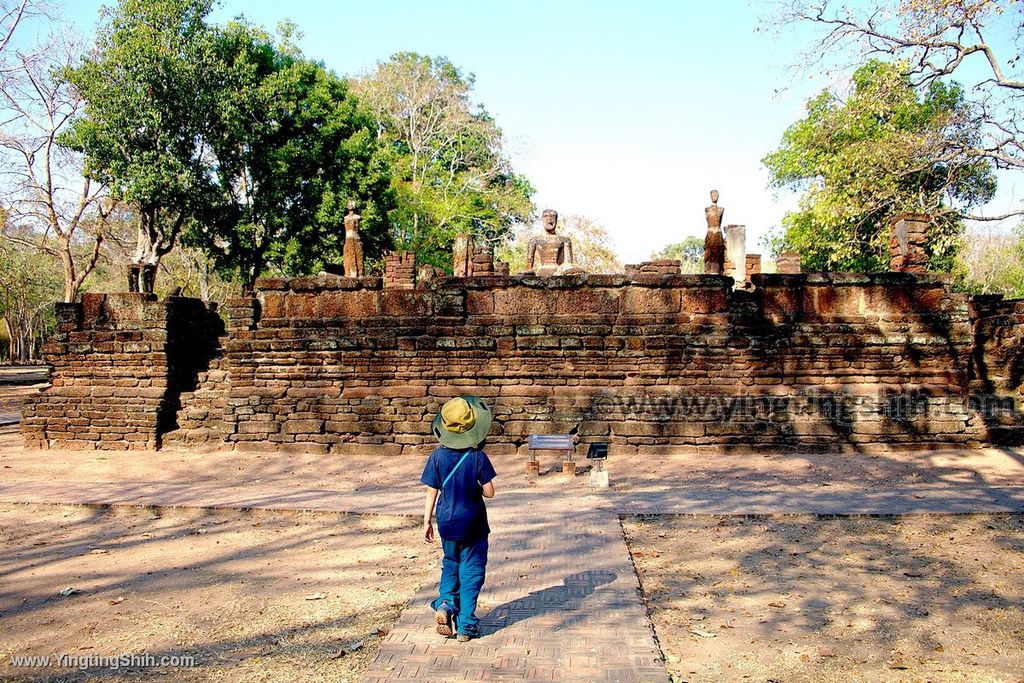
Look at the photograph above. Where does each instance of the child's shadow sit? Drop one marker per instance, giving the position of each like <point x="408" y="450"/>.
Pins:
<point x="561" y="599"/>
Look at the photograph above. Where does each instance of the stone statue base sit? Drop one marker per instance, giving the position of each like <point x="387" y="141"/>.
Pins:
<point x="563" y="269"/>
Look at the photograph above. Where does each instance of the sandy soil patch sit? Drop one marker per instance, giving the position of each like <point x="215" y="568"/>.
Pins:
<point x="805" y="598"/>
<point x="252" y="596"/>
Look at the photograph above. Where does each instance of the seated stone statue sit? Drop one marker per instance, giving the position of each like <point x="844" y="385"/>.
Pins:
<point x="551" y="254"/>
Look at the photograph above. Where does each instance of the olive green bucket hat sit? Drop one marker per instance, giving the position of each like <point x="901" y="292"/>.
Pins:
<point x="463" y="422"/>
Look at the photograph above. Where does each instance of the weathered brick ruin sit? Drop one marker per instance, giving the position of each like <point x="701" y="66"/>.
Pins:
<point x="997" y="376"/>
<point x="120" y="365"/>
<point x="650" y="361"/>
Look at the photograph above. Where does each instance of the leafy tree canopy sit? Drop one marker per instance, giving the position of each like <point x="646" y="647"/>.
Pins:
<point x="149" y="87"/>
<point x="992" y="262"/>
<point x="30" y="282"/>
<point x="291" y="147"/>
<point x="689" y="253"/>
<point x="885" y="149"/>
<point x="978" y="42"/>
<point x="451" y="174"/>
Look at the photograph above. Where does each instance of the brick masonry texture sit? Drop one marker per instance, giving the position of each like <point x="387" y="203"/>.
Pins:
<point x="997" y="377"/>
<point x="120" y="365"/>
<point x="651" y="362"/>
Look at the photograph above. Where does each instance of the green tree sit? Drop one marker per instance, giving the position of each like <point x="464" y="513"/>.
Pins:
<point x="993" y="263"/>
<point x="689" y="253"/>
<point x="979" y="42"/>
<point x="451" y="174"/>
<point x="149" y="87"/>
<point x="291" y="148"/>
<point x="30" y="282"/>
<point x="885" y="149"/>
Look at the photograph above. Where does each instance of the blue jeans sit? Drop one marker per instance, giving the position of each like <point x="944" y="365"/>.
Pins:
<point x="462" y="576"/>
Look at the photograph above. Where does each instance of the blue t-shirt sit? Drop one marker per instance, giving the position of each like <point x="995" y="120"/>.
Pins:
<point x="461" y="515"/>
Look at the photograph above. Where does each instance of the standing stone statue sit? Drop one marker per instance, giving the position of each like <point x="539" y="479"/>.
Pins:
<point x="462" y="255"/>
<point x="907" y="245"/>
<point x="352" y="254"/>
<point x="550" y="254"/>
<point x="714" y="243"/>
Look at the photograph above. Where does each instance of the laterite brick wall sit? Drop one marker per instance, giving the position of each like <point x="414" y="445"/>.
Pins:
<point x="120" y="361"/>
<point x="997" y="371"/>
<point x="651" y="362"/>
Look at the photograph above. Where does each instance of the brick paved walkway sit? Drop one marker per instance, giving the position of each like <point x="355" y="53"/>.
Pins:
<point x="561" y="601"/>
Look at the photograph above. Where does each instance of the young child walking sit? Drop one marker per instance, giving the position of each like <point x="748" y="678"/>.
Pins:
<point x="458" y="476"/>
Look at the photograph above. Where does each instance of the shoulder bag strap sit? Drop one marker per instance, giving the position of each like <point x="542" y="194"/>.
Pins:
<point x="450" y="474"/>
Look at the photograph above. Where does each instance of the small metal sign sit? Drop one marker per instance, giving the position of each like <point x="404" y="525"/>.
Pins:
<point x="598" y="451"/>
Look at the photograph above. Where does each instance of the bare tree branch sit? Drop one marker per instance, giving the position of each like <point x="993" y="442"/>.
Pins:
<point x="53" y="207"/>
<point x="935" y="41"/>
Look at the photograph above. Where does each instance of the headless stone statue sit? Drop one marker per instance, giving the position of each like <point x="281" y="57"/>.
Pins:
<point x="550" y="254"/>
<point x="352" y="254"/>
<point x="714" y="243"/>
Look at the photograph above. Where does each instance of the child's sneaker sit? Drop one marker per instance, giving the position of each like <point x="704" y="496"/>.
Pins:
<point x="464" y="638"/>
<point x="443" y="617"/>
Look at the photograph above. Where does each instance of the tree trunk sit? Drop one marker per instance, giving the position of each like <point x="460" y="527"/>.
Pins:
<point x="25" y="339"/>
<point x="204" y="279"/>
<point x="70" y="286"/>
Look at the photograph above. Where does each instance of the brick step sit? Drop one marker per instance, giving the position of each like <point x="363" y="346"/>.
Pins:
<point x="200" y="418"/>
<point x="195" y="438"/>
<point x="204" y="397"/>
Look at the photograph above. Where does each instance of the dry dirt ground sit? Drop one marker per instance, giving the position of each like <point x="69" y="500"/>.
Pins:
<point x="807" y="598"/>
<point x="253" y="596"/>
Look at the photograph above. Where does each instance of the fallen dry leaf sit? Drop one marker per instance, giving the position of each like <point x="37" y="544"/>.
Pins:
<point x="352" y="647"/>
<point x="701" y="632"/>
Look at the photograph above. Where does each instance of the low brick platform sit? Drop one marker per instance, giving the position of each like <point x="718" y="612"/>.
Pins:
<point x="650" y="363"/>
<point x="120" y="365"/>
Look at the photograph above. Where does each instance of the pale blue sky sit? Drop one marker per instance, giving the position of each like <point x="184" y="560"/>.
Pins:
<point x="627" y="112"/>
